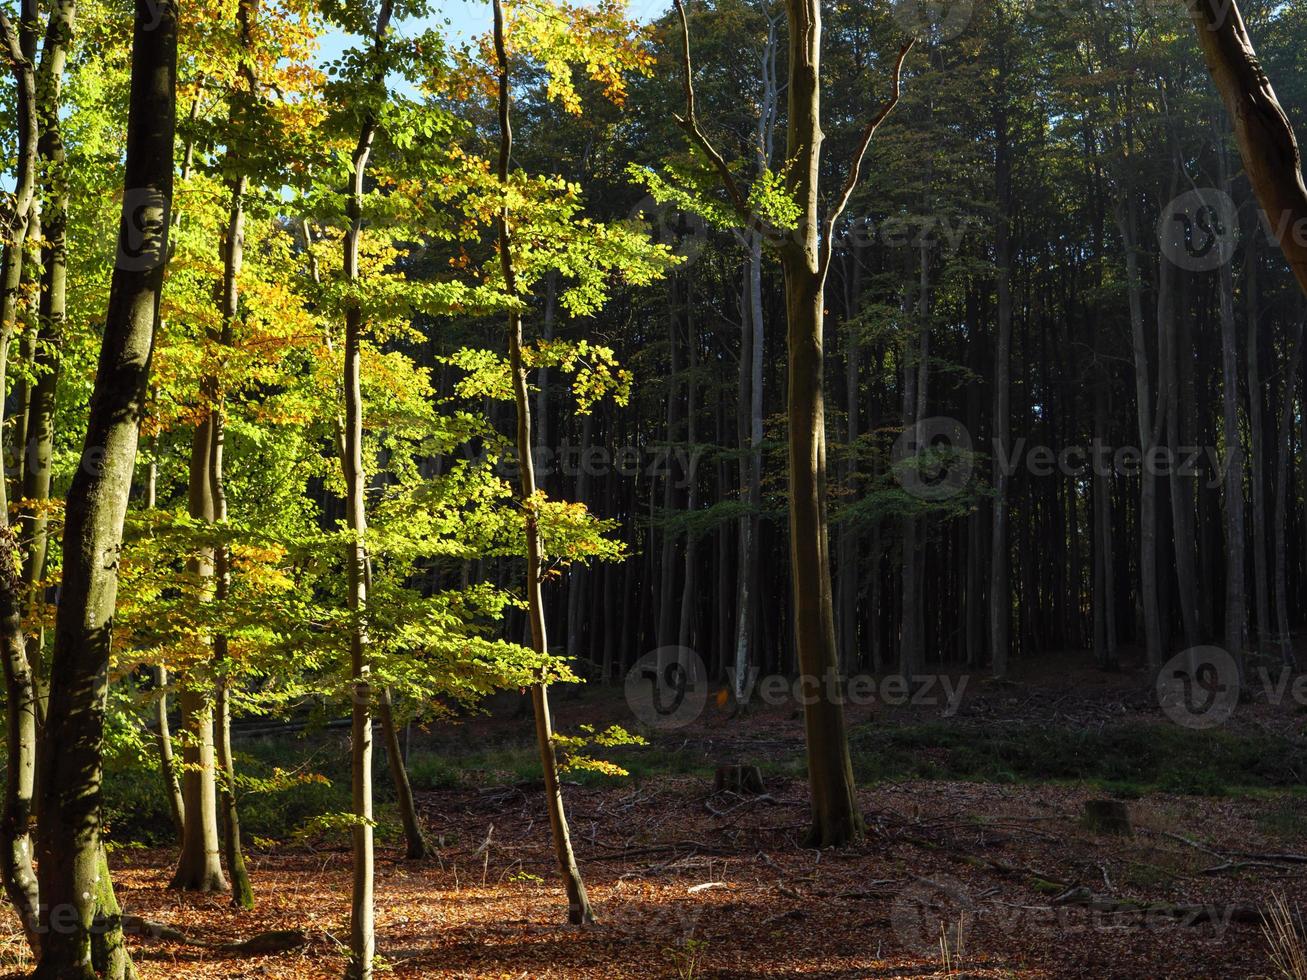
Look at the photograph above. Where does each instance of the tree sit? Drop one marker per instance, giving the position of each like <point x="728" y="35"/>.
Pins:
<point x="805" y="258"/>
<point x="73" y="872"/>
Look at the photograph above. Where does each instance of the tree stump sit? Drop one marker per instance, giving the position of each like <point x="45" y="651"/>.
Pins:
<point x="746" y="780"/>
<point x="1107" y="817"/>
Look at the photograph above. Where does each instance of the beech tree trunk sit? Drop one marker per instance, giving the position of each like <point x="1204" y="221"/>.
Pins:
<point x="579" y="911"/>
<point x="199" y="866"/>
<point x="1266" y="140"/>
<point x="73" y="873"/>
<point x="1148" y="588"/>
<point x="362" y="941"/>
<point x="21" y="705"/>
<point x="836" y="818"/>
<point x="415" y="841"/>
<point x="1236" y="606"/>
<point x="1257" y="450"/>
<point x="1283" y="459"/>
<point x="1000" y="594"/>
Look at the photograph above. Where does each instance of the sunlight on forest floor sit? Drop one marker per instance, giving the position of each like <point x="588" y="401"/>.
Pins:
<point x="691" y="884"/>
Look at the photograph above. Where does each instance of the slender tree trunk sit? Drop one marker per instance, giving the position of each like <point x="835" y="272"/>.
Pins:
<point x="73" y="872"/>
<point x="1000" y="592"/>
<point x="1284" y="456"/>
<point x="16" y="868"/>
<point x="685" y="633"/>
<point x="849" y="577"/>
<point x="363" y="938"/>
<point x="167" y="763"/>
<point x="233" y="259"/>
<point x="414" y="840"/>
<point x="751" y="474"/>
<point x="1257" y="449"/>
<point x="1182" y="518"/>
<point x="1236" y="605"/>
<point x="199" y="866"/>
<point x="1144" y="412"/>
<point x="578" y="904"/>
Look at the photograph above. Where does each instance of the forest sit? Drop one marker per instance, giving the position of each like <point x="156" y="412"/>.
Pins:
<point x="743" y="488"/>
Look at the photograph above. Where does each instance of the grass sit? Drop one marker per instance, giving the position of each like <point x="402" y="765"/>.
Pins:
<point x="1282" y="932"/>
<point x="1126" y="762"/>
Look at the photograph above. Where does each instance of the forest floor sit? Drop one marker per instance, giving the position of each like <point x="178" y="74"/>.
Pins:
<point x="962" y="835"/>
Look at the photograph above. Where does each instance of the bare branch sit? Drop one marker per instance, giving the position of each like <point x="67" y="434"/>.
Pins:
<point x="690" y="123"/>
<point x="855" y="168"/>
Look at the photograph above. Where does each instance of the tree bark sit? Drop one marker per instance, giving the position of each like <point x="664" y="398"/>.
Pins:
<point x="1128" y="221"/>
<point x="579" y="911"/>
<point x="415" y="841"/>
<point x="1266" y="140"/>
<point x="1284" y="456"/>
<point x="362" y="943"/>
<point x="1236" y="605"/>
<point x="1257" y="449"/>
<point x="199" y="866"/>
<point x="72" y="867"/>
<point x="1000" y="593"/>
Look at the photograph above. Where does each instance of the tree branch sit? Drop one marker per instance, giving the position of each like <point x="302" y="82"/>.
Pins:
<point x="855" y="167"/>
<point x="1261" y="127"/>
<point x="690" y="123"/>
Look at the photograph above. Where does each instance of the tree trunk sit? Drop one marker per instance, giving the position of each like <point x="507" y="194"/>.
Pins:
<point x="16" y="867"/>
<point x="1170" y="352"/>
<point x="363" y="938"/>
<point x="836" y="819"/>
<point x="199" y="866"/>
<point x="751" y="474"/>
<point x="1236" y="605"/>
<point x="1257" y="450"/>
<point x="578" y="904"/>
<point x="414" y="840"/>
<point x="167" y="762"/>
<point x="1284" y="456"/>
<point x="1000" y="593"/>
<point x="1266" y="140"/>
<point x="72" y="866"/>
<point x="1147" y="440"/>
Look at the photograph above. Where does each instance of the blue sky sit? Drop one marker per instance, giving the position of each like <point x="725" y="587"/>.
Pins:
<point x="461" y="20"/>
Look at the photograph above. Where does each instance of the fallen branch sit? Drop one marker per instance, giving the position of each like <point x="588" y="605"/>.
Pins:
<point x="262" y="944"/>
